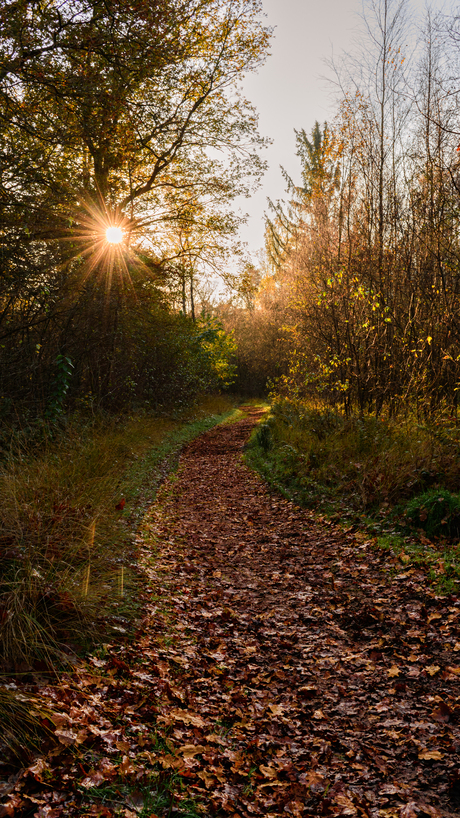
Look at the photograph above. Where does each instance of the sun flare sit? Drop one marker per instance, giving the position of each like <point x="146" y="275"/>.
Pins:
<point x="114" y="235"/>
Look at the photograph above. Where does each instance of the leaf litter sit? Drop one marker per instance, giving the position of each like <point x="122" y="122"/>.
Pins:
<point x="280" y="669"/>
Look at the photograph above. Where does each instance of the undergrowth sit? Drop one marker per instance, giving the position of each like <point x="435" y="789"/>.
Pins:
<point x="399" y="480"/>
<point x="67" y="518"/>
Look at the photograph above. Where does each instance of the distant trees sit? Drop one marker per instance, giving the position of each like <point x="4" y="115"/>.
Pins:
<point x="120" y="113"/>
<point x="368" y="246"/>
<point x="257" y="321"/>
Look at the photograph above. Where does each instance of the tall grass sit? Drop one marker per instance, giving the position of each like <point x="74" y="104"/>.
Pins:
<point x="65" y="548"/>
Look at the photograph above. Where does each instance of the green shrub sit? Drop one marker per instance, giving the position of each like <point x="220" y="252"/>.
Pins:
<point x="263" y="437"/>
<point x="437" y="512"/>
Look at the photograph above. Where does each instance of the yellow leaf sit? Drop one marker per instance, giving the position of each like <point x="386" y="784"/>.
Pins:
<point x="394" y="671"/>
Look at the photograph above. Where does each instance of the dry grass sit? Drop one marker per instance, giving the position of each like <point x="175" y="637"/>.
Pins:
<point x="67" y="558"/>
<point x="25" y="724"/>
<point x="65" y="551"/>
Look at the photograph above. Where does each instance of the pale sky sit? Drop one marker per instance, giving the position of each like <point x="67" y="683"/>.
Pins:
<point x="289" y="91"/>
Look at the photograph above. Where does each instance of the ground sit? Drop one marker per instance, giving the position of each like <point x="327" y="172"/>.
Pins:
<point x="283" y="667"/>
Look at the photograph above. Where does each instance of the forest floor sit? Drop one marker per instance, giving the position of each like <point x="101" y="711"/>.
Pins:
<point x="284" y="667"/>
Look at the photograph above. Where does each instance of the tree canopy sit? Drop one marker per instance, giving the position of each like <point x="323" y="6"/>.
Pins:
<point x="122" y="113"/>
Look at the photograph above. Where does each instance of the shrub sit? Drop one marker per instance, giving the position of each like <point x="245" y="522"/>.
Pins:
<point x="437" y="512"/>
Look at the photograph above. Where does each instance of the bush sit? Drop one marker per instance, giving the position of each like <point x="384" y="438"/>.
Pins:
<point x="263" y="437"/>
<point x="357" y="464"/>
<point x="436" y="511"/>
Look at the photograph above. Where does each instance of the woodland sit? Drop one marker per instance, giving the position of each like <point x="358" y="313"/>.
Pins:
<point x="229" y="489"/>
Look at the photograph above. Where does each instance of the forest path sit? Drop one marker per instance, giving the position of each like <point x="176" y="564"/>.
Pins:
<point x="281" y="670"/>
<point x="302" y="680"/>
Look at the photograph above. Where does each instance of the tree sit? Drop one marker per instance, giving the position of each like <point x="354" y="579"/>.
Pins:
<point x="114" y="112"/>
<point x="372" y="267"/>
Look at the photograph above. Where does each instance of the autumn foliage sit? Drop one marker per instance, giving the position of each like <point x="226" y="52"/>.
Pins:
<point x="367" y="245"/>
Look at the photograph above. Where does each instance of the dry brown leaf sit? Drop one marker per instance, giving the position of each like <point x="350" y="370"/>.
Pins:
<point x="126" y="767"/>
<point x="209" y="780"/>
<point x="319" y="715"/>
<point x="276" y="709"/>
<point x="268" y="772"/>
<point x="187" y="718"/>
<point x="191" y="750"/>
<point x="94" y="779"/>
<point x="430" y="755"/>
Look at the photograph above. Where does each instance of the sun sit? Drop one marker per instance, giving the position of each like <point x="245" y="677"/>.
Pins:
<point x="114" y="235"/>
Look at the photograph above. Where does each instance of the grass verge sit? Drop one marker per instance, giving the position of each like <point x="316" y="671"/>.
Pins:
<point x="398" y="481"/>
<point x="68" y="520"/>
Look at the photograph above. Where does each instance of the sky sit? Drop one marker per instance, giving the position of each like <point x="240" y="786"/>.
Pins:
<point x="290" y="91"/>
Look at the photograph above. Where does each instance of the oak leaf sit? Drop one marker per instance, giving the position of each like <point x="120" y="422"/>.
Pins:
<point x="126" y="767"/>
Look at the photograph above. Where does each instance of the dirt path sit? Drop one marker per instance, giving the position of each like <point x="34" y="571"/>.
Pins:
<point x="296" y="679"/>
<point x="312" y="684"/>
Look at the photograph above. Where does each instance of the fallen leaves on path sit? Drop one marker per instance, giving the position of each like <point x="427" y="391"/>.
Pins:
<point x="282" y="669"/>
